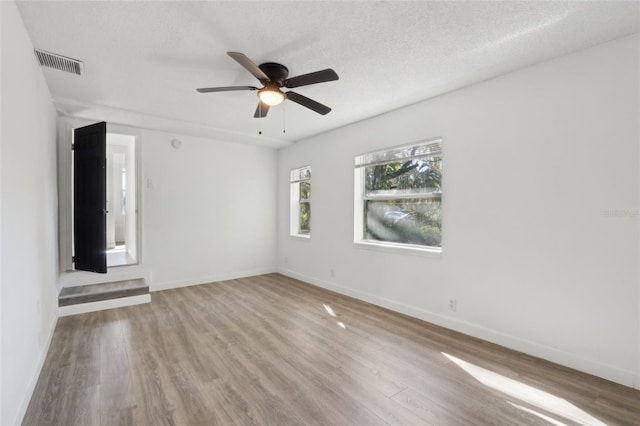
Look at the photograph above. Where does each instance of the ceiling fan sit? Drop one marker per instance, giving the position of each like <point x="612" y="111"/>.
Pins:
<point x="274" y="76"/>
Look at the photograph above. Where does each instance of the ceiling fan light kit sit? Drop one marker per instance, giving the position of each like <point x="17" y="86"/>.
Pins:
<point x="273" y="76"/>
<point x="271" y="96"/>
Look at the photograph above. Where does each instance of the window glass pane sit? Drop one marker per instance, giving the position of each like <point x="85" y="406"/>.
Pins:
<point x="429" y="149"/>
<point x="406" y="177"/>
<point x="305" y="173"/>
<point x="300" y="174"/>
<point x="305" y="190"/>
<point x="305" y="218"/>
<point x="408" y="221"/>
<point x="300" y="202"/>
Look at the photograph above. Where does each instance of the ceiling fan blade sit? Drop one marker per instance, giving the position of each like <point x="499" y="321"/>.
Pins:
<point x="311" y="78"/>
<point x="261" y="110"/>
<point x="248" y="64"/>
<point x="225" y="89"/>
<point x="309" y="103"/>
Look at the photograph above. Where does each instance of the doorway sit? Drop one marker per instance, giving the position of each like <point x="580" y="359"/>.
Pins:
<point x="121" y="200"/>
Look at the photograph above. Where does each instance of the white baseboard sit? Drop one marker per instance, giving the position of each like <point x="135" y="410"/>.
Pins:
<point x="605" y="371"/>
<point x="211" y="279"/>
<point x="36" y="374"/>
<point x="83" y="308"/>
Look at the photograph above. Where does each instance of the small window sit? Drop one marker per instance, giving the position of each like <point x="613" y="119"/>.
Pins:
<point x="398" y="196"/>
<point x="124" y="192"/>
<point x="301" y="202"/>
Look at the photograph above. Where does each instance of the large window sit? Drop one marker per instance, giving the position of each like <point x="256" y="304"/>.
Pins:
<point x="398" y="196"/>
<point x="300" y="222"/>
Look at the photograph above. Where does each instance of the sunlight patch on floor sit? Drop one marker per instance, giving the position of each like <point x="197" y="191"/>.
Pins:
<point x="537" y="414"/>
<point x="529" y="394"/>
<point x="330" y="311"/>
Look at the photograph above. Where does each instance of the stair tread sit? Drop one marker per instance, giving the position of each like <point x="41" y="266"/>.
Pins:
<point x="102" y="291"/>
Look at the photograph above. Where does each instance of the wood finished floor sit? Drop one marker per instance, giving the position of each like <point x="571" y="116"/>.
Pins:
<point x="266" y="350"/>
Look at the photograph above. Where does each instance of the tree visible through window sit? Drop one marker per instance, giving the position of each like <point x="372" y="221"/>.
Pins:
<point x="400" y="195"/>
<point x="301" y="201"/>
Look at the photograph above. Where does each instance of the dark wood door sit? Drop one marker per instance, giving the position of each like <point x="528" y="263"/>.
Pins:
<point x="90" y="198"/>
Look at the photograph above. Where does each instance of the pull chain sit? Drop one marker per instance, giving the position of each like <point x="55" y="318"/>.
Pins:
<point x="284" y="115"/>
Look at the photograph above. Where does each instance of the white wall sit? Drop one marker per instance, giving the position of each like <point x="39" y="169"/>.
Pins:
<point x="28" y="217"/>
<point x="210" y="213"/>
<point x="131" y="223"/>
<point x="540" y="223"/>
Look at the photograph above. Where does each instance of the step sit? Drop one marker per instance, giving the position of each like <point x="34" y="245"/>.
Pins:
<point x="104" y="291"/>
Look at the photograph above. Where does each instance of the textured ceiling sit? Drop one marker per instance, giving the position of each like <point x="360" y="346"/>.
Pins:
<point x="144" y="60"/>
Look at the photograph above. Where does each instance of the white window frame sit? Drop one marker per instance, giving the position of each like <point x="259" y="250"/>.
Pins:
<point x="367" y="159"/>
<point x="298" y="176"/>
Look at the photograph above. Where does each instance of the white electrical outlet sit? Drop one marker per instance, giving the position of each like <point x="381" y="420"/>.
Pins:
<point x="453" y="305"/>
<point x="286" y="260"/>
<point x="332" y="273"/>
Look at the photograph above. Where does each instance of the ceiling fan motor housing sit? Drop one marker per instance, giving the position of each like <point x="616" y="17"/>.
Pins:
<point x="277" y="73"/>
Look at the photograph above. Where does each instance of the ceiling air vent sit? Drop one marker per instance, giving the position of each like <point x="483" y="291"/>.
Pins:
<point x="59" y="62"/>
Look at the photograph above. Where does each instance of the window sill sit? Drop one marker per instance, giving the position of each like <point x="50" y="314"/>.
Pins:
<point x="399" y="248"/>
<point x="303" y="237"/>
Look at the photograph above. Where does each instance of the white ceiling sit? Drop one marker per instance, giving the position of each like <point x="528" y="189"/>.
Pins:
<point x="144" y="60"/>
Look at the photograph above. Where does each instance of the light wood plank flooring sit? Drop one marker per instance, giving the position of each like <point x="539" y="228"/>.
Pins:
<point x="273" y="350"/>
